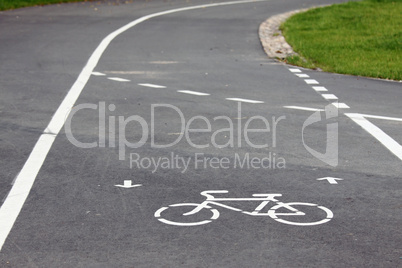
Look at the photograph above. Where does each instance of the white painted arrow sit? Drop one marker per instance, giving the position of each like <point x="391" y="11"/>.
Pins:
<point x="330" y="180"/>
<point x="128" y="184"/>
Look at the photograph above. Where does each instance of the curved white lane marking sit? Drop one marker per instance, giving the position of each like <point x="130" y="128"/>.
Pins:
<point x="15" y="199"/>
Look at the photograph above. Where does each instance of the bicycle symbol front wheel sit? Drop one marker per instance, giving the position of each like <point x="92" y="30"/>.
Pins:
<point x="273" y="213"/>
<point x="188" y="219"/>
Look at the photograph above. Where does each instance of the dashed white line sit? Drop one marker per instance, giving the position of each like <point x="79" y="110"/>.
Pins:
<point x="98" y="74"/>
<point x="329" y="96"/>
<point x="126" y="72"/>
<point x="377" y="133"/>
<point x="303" y="108"/>
<point x="303" y="75"/>
<point x="359" y="119"/>
<point x="340" y="105"/>
<point x="118" y="79"/>
<point x="320" y="89"/>
<point x="151" y="85"/>
<point x="244" y="100"/>
<point x="295" y="70"/>
<point x="193" y="92"/>
<point x="311" y="81"/>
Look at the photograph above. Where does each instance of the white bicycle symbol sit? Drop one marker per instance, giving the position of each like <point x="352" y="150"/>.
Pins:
<point x="263" y="198"/>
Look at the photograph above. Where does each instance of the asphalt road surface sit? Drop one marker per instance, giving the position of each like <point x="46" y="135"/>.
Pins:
<point x="175" y="142"/>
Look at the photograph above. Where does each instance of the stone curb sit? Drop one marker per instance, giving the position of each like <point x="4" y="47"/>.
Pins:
<point x="272" y="39"/>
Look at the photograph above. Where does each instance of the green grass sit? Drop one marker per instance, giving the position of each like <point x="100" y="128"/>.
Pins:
<point x="359" y="38"/>
<point x="13" y="4"/>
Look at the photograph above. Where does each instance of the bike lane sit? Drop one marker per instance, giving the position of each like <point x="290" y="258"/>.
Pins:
<point x="93" y="222"/>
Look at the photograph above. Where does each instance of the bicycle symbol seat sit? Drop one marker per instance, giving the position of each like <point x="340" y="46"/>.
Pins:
<point x="277" y="212"/>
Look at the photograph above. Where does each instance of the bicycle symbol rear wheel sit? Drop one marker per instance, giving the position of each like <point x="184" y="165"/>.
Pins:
<point x="274" y="215"/>
<point x="159" y="216"/>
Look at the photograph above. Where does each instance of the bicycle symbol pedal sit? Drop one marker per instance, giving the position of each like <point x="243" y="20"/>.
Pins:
<point x="278" y="212"/>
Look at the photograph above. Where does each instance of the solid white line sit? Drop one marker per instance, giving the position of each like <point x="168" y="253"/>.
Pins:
<point x="193" y="93"/>
<point x="118" y="79"/>
<point x="16" y="197"/>
<point x="320" y="89"/>
<point x="23" y="183"/>
<point x="151" y="85"/>
<point x="377" y="133"/>
<point x="329" y="96"/>
<point x="295" y="70"/>
<point x="303" y="75"/>
<point x="244" y="100"/>
<point x="382" y="117"/>
<point x="303" y="108"/>
<point x="340" y="105"/>
<point x="311" y="81"/>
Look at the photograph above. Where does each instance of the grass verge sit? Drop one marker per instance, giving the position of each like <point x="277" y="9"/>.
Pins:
<point x="13" y="4"/>
<point x="359" y="38"/>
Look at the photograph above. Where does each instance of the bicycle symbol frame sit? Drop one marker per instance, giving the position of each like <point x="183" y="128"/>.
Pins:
<point x="264" y="200"/>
